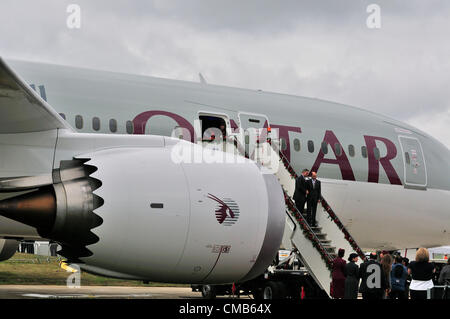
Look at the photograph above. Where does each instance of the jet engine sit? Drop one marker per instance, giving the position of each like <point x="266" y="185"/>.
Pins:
<point x="150" y="213"/>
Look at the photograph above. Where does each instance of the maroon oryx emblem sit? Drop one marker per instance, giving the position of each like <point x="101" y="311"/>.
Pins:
<point x="227" y="211"/>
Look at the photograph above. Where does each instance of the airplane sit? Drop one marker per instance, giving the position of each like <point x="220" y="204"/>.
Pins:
<point x="98" y="143"/>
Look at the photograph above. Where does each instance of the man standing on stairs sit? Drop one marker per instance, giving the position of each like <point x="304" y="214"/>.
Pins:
<point x="300" y="191"/>
<point x="314" y="196"/>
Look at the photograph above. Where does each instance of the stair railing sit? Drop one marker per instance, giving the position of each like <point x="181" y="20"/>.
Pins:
<point x="331" y="214"/>
<point x="308" y="232"/>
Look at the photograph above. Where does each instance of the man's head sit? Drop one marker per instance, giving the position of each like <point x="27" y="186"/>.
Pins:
<point x="305" y="172"/>
<point x="373" y="256"/>
<point x="313" y="175"/>
<point x="398" y="259"/>
<point x="405" y="261"/>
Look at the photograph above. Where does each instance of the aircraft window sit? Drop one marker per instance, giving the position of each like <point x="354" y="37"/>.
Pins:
<point x="407" y="159"/>
<point x="210" y="122"/>
<point x="376" y="152"/>
<point x="324" y="147"/>
<point x="95" y="123"/>
<point x="297" y="145"/>
<point x="351" y="150"/>
<point x="79" y="122"/>
<point x="130" y="127"/>
<point x="337" y="149"/>
<point x="62" y="115"/>
<point x="113" y="125"/>
<point x="364" y="151"/>
<point x="283" y="144"/>
<point x="310" y="146"/>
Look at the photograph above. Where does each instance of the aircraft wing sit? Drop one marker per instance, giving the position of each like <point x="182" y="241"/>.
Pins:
<point x="22" y="109"/>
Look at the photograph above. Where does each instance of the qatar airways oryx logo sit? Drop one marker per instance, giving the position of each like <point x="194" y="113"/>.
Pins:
<point x="227" y="211"/>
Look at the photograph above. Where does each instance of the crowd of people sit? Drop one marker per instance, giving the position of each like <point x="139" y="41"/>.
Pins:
<point x="382" y="276"/>
<point x="385" y="276"/>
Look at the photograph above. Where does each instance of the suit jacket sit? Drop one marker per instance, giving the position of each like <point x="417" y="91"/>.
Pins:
<point x="300" y="188"/>
<point x="445" y="275"/>
<point x="315" y="193"/>
<point x="364" y="274"/>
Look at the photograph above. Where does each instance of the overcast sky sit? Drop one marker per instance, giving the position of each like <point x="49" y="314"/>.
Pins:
<point x="321" y="49"/>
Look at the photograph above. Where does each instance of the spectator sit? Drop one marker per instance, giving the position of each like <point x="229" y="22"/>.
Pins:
<point x="444" y="277"/>
<point x="386" y="263"/>
<point x="399" y="273"/>
<point x="373" y="282"/>
<point x="405" y="263"/>
<point x="352" y="277"/>
<point x="421" y="271"/>
<point x="382" y="254"/>
<point x="338" y="276"/>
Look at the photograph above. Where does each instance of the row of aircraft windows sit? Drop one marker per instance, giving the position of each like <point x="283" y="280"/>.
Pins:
<point x="79" y="124"/>
<point x="337" y="148"/>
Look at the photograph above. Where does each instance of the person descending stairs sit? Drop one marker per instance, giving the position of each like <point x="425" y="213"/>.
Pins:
<point x="315" y="245"/>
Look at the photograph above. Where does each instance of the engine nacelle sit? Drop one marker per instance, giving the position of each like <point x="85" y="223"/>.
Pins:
<point x="141" y="213"/>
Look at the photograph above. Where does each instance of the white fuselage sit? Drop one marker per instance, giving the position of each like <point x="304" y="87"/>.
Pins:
<point x="383" y="202"/>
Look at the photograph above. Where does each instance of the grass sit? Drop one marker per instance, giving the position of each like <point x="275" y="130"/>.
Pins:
<point x="27" y="269"/>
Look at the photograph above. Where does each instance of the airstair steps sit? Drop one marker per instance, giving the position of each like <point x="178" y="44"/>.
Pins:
<point x="315" y="246"/>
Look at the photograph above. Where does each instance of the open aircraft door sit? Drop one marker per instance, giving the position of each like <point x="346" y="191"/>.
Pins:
<point x="254" y="128"/>
<point x="415" y="169"/>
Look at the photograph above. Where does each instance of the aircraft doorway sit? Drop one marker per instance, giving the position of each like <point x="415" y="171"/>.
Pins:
<point x="414" y="162"/>
<point x="213" y="127"/>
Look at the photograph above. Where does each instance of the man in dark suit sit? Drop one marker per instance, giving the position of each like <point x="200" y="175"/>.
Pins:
<point x="300" y="191"/>
<point x="373" y="282"/>
<point x="314" y="196"/>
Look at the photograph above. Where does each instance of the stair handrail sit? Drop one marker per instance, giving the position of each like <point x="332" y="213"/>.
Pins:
<point x="331" y="214"/>
<point x="307" y="230"/>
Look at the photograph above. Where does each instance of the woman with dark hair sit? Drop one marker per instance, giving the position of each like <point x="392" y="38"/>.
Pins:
<point x="338" y="276"/>
<point x="352" y="277"/>
<point x="421" y="271"/>
<point x="398" y="279"/>
<point x="386" y="266"/>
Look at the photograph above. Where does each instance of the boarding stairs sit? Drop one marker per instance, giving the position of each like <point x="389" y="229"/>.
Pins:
<point x="316" y="247"/>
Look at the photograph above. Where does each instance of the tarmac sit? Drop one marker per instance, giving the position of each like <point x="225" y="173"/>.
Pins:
<point x="102" y="292"/>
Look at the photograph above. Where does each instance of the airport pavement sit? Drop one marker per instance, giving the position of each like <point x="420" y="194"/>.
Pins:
<point x="104" y="292"/>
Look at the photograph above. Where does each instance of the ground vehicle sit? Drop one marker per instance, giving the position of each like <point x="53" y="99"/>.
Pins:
<point x="285" y="279"/>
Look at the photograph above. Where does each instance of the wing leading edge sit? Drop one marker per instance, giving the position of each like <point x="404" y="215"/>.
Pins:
<point x="22" y="110"/>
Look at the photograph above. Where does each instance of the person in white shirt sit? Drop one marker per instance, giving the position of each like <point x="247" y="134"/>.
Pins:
<point x="421" y="271"/>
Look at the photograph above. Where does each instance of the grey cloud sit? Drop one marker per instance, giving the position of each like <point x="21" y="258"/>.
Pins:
<point x="311" y="48"/>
